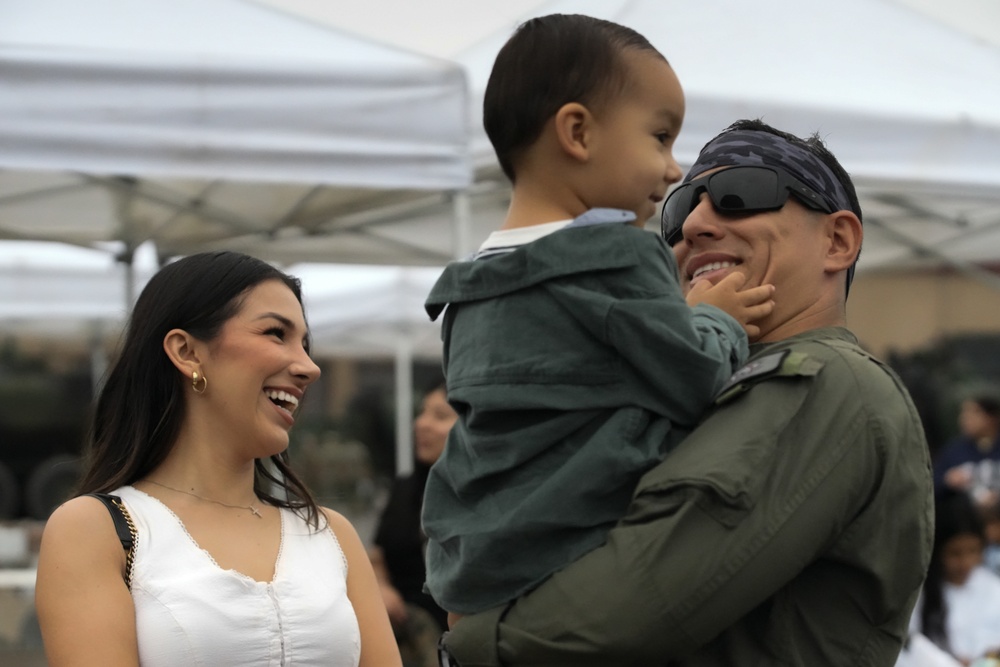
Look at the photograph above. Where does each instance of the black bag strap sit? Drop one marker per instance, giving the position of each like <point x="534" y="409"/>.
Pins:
<point x="118" y="515"/>
<point x="124" y="526"/>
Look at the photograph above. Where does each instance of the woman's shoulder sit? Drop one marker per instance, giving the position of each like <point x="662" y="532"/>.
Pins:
<point x="81" y="526"/>
<point x="339" y="524"/>
<point x="82" y="514"/>
<point x="346" y="535"/>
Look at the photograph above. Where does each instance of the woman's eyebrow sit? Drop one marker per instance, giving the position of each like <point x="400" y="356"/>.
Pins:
<point x="281" y="318"/>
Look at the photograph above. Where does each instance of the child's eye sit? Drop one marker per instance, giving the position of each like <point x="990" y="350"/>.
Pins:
<point x="277" y="332"/>
<point x="663" y="137"/>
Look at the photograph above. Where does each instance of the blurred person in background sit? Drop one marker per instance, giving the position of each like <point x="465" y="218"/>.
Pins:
<point x="398" y="551"/>
<point x="959" y="606"/>
<point x="204" y="547"/>
<point x="969" y="462"/>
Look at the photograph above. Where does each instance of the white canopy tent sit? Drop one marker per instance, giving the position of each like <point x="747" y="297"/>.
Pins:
<point x="910" y="106"/>
<point x="200" y="122"/>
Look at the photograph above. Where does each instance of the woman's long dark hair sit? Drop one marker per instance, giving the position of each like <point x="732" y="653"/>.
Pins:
<point x="141" y="406"/>
<point x="955" y="515"/>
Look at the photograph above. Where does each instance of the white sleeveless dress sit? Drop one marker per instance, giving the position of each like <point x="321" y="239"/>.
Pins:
<point x="189" y="611"/>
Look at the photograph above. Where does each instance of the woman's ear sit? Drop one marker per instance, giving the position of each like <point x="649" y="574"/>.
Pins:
<point x="845" y="234"/>
<point x="573" y="125"/>
<point x="183" y="350"/>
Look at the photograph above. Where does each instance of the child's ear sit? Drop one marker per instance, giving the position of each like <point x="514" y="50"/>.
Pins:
<point x="573" y="123"/>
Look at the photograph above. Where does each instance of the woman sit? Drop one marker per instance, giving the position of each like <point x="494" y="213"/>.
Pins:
<point x="959" y="609"/>
<point x="398" y="554"/>
<point x="232" y="562"/>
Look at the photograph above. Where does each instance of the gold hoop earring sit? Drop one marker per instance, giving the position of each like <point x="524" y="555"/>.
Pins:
<point x="195" y="379"/>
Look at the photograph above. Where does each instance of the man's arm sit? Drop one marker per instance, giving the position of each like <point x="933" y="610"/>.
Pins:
<point x="733" y="514"/>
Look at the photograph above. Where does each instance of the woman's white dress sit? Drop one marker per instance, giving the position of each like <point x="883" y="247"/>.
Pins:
<point x="189" y="611"/>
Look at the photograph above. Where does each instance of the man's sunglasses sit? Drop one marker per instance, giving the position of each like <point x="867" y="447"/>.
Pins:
<point x="736" y="190"/>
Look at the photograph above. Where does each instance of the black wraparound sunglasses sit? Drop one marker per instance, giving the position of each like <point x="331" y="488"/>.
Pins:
<point x="736" y="190"/>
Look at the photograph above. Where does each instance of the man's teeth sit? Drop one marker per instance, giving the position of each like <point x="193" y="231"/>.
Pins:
<point x="714" y="266"/>
<point x="290" y="401"/>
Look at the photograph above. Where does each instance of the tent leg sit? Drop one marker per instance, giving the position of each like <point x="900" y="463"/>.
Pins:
<point x="130" y="281"/>
<point x="461" y="216"/>
<point x="404" y="408"/>
<point x="98" y="358"/>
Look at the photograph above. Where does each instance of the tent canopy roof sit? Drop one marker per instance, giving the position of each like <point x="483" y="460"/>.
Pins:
<point x="222" y="89"/>
<point x="200" y="123"/>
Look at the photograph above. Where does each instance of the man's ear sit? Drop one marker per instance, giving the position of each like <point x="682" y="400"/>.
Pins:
<point x="844" y="233"/>
<point x="183" y="350"/>
<point x="573" y="124"/>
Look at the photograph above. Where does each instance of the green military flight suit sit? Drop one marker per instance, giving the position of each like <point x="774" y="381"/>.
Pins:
<point x="792" y="527"/>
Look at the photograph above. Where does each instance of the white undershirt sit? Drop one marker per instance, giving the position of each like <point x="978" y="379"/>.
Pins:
<point x="518" y="236"/>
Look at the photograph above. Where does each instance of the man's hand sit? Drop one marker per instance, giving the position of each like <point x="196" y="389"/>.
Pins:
<point x="744" y="305"/>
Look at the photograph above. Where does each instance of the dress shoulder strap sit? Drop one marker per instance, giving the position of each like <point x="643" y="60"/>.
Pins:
<point x="124" y="526"/>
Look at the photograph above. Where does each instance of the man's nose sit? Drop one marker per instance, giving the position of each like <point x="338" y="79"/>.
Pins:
<point x="703" y="220"/>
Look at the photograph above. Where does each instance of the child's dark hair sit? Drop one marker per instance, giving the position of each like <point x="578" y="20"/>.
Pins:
<point x="548" y="62"/>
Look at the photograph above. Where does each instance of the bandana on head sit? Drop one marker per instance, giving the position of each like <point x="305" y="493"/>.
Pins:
<point x="754" y="148"/>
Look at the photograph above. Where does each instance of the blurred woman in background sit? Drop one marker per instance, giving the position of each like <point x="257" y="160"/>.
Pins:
<point x="398" y="551"/>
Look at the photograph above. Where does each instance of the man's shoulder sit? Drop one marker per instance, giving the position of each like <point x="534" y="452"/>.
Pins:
<point x="825" y="360"/>
<point x="835" y="348"/>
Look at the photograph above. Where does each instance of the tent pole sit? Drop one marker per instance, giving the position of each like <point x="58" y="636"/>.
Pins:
<point x="461" y="216"/>
<point x="129" y="282"/>
<point x="123" y="190"/>
<point x="127" y="260"/>
<point x="404" y="407"/>
<point x="98" y="357"/>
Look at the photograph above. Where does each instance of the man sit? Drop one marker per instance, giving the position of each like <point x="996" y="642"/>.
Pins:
<point x="794" y="525"/>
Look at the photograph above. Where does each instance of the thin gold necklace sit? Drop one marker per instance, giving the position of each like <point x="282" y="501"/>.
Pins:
<point x="250" y="507"/>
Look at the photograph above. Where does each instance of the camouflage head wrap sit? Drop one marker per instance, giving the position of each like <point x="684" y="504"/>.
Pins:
<point x="755" y="148"/>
